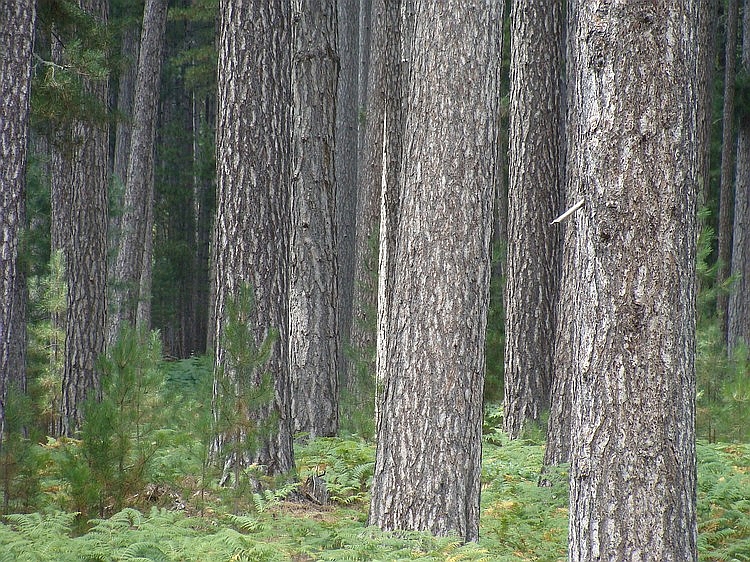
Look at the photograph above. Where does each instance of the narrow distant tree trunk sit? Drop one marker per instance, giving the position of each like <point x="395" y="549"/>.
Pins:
<point x="125" y="93"/>
<point x="129" y="265"/>
<point x="251" y="236"/>
<point x="534" y="193"/>
<point x="728" y="149"/>
<point x="370" y="177"/>
<point x="739" y="299"/>
<point x="707" y="51"/>
<point x="313" y="294"/>
<point x="632" y="158"/>
<point x="347" y="114"/>
<point x="427" y="471"/>
<point x="395" y="69"/>
<point x="86" y="255"/>
<point x="16" y="42"/>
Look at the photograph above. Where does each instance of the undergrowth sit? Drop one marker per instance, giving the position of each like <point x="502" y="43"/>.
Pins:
<point x="520" y="521"/>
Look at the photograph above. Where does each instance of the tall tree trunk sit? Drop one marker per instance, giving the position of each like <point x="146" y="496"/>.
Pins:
<point x="534" y="193"/>
<point x="709" y="17"/>
<point x="129" y="266"/>
<point x="86" y="259"/>
<point x="252" y="217"/>
<point x="125" y="93"/>
<point x="313" y="294"/>
<point x="427" y="471"/>
<point x="739" y="299"/>
<point x="369" y="178"/>
<point x="347" y="114"/>
<point x="728" y="150"/>
<point x="17" y="20"/>
<point x="632" y="158"/>
<point x="396" y="69"/>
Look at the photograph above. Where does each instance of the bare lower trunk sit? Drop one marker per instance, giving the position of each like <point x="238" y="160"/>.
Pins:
<point x="632" y="247"/>
<point x="427" y="471"/>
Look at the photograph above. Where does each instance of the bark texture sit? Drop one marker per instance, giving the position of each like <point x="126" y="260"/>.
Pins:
<point x="16" y="41"/>
<point x="728" y="151"/>
<point x="86" y="256"/>
<point x="131" y="256"/>
<point x="427" y="473"/>
<point x="534" y="193"/>
<point x="632" y="140"/>
<point x="253" y="151"/>
<point x="347" y="113"/>
<point x="313" y="329"/>
<point x="369" y="179"/>
<point x="738" y="330"/>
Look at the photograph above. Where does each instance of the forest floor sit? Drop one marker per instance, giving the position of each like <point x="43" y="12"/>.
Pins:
<point x="519" y="521"/>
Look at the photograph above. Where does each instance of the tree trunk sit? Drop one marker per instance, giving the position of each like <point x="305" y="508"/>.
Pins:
<point x="129" y="265"/>
<point x="347" y="114"/>
<point x="313" y="329"/>
<point x="632" y="158"/>
<point x="396" y="68"/>
<point x="739" y="299"/>
<point x="427" y="472"/>
<point x="125" y="93"/>
<point x="728" y="150"/>
<point x="16" y="41"/>
<point x="252" y="218"/>
<point x="370" y="177"/>
<point x="534" y="193"/>
<point x="86" y="259"/>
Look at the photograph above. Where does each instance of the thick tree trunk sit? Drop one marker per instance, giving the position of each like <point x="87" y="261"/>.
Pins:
<point x="728" y="151"/>
<point x="16" y="41"/>
<point x="252" y="218"/>
<point x="129" y="265"/>
<point x="313" y="329"/>
<point x="427" y="473"/>
<point x="86" y="259"/>
<point x="632" y="140"/>
<point x="534" y="193"/>
<point x="347" y="114"/>
<point x="738" y="332"/>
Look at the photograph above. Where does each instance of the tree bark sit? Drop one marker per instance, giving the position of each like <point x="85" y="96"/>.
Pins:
<point x="738" y="329"/>
<point x="728" y="150"/>
<point x="86" y="259"/>
<point x="534" y="193"/>
<point x="632" y="140"/>
<point x="427" y="472"/>
<point x="129" y="265"/>
<point x="313" y="328"/>
<point x="253" y="155"/>
<point x="17" y="20"/>
<point x="370" y="177"/>
<point x="347" y="115"/>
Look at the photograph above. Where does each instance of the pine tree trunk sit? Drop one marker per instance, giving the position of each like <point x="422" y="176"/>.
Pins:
<point x="129" y="265"/>
<point x="728" y="150"/>
<point x="123" y="130"/>
<point x="739" y="299"/>
<point x="427" y="472"/>
<point x="313" y="329"/>
<point x="16" y="41"/>
<point x="370" y="176"/>
<point x="396" y="69"/>
<point x="347" y="113"/>
<point x="534" y="192"/>
<point x="632" y="158"/>
<point x="252" y="218"/>
<point x="86" y="259"/>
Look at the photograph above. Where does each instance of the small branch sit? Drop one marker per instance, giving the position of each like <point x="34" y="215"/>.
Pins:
<point x="569" y="212"/>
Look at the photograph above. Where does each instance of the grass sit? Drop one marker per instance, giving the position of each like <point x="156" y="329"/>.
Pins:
<point x="520" y="521"/>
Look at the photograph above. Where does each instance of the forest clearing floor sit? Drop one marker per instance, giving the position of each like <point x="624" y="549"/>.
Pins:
<point x="520" y="520"/>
